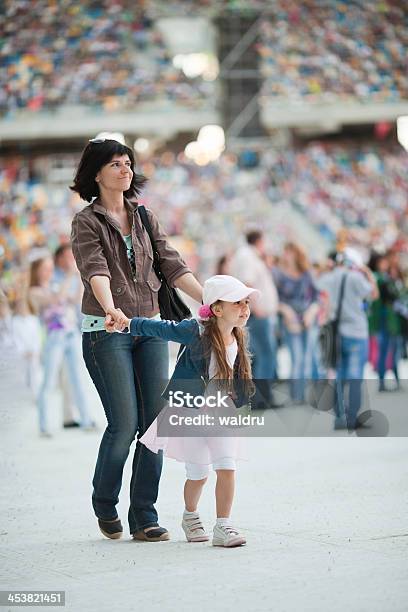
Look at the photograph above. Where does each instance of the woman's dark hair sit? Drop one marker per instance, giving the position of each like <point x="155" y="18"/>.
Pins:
<point x="253" y="236"/>
<point x="222" y="264"/>
<point x="375" y="259"/>
<point x="96" y="155"/>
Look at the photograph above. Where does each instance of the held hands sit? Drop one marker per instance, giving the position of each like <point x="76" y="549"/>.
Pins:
<point x="116" y="320"/>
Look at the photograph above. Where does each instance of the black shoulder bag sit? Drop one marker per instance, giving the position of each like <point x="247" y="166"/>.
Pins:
<point x="329" y="334"/>
<point x="171" y="305"/>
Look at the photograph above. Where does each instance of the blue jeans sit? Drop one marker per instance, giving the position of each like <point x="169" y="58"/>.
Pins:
<point x="353" y="357"/>
<point x="61" y="345"/>
<point x="303" y="349"/>
<point x="262" y="345"/>
<point x="129" y="374"/>
<point x="387" y="344"/>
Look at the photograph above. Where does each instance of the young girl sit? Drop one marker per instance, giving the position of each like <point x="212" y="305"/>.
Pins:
<point x="215" y="348"/>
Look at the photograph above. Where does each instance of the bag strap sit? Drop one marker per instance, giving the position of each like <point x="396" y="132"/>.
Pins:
<point x="340" y="304"/>
<point x="156" y="257"/>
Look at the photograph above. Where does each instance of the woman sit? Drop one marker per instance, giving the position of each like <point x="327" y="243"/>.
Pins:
<point x="27" y="334"/>
<point x="384" y="322"/>
<point x="50" y="304"/>
<point x="298" y="304"/>
<point x="378" y="264"/>
<point x="115" y="258"/>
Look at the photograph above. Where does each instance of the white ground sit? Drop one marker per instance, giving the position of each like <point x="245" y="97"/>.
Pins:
<point x="326" y="521"/>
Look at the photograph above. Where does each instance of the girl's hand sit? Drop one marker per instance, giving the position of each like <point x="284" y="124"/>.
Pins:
<point x="116" y="320"/>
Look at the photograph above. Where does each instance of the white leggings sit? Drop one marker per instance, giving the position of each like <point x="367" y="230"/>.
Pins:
<point x="198" y="471"/>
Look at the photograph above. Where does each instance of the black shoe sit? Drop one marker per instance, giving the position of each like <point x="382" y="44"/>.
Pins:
<point x="111" y="529"/>
<point x="360" y="425"/>
<point x="383" y="389"/>
<point x="157" y="534"/>
<point x="69" y="424"/>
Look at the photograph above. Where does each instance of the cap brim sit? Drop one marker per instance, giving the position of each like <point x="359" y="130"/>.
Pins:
<point x="241" y="294"/>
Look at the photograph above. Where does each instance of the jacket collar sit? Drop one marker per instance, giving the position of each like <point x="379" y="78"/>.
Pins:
<point x="97" y="207"/>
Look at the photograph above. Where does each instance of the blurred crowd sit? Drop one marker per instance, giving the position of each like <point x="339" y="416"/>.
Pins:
<point x="34" y="214"/>
<point x="105" y="55"/>
<point x="323" y="51"/>
<point x="111" y="56"/>
<point x="297" y="308"/>
<point x="350" y="192"/>
<point x="353" y="192"/>
<point x="360" y="186"/>
<point x="40" y="321"/>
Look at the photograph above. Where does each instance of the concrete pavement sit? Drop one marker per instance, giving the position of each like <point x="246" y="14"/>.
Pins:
<point x="325" y="518"/>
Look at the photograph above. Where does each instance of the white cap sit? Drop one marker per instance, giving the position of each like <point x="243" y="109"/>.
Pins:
<point x="226" y="288"/>
<point x="353" y="256"/>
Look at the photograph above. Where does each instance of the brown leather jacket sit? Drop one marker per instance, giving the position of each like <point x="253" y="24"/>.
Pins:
<point x="99" y="250"/>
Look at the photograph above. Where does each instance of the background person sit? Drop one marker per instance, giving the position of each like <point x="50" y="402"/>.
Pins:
<point x="248" y="264"/>
<point x="65" y="267"/>
<point x="298" y="304"/>
<point x="49" y="301"/>
<point x="28" y="338"/>
<point x="360" y="285"/>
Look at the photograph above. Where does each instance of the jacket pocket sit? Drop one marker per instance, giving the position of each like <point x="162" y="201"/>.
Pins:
<point x="118" y="288"/>
<point x="153" y="283"/>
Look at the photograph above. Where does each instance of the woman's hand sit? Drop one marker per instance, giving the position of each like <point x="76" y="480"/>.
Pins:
<point x="190" y="285"/>
<point x="116" y="320"/>
<point x="310" y="314"/>
<point x="290" y="318"/>
<point x="292" y="323"/>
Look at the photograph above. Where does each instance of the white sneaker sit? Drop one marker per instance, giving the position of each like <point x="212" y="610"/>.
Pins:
<point x="193" y="528"/>
<point x="228" y="536"/>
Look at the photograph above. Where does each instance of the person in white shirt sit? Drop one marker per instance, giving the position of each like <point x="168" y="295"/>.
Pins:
<point x="28" y="339"/>
<point x="249" y="266"/>
<point x="65" y="266"/>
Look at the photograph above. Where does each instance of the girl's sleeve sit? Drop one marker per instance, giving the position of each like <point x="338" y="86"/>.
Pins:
<point x="183" y="332"/>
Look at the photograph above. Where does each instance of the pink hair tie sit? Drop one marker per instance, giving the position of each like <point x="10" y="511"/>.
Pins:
<point x="205" y="312"/>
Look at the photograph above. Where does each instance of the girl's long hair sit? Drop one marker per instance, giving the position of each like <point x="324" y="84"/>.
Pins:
<point x="214" y="343"/>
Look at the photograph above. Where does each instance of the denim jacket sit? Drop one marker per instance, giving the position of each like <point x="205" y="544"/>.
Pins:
<point x="193" y="361"/>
